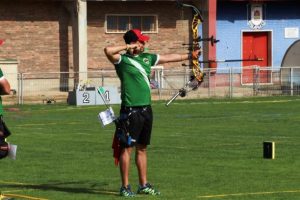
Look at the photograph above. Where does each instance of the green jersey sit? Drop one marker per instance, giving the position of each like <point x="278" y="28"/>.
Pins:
<point x="1" y="107"/>
<point x="134" y="73"/>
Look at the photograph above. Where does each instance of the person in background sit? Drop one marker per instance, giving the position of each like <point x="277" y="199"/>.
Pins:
<point x="4" y="131"/>
<point x="133" y="67"/>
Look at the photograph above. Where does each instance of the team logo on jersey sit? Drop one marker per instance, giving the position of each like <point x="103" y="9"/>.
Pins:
<point x="146" y="60"/>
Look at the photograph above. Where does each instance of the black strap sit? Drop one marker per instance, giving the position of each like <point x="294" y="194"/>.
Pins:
<point x="3" y="149"/>
<point x="6" y="131"/>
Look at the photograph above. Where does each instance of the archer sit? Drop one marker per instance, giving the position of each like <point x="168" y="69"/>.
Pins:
<point x="4" y="131"/>
<point x="133" y="67"/>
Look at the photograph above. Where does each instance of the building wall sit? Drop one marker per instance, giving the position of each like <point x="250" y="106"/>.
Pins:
<point x="172" y="31"/>
<point x="232" y="19"/>
<point x="36" y="34"/>
<point x="39" y="34"/>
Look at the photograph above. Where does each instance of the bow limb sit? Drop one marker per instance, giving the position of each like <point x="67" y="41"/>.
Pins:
<point x="195" y="9"/>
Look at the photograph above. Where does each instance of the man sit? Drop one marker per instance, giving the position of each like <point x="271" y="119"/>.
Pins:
<point x="4" y="132"/>
<point x="133" y="69"/>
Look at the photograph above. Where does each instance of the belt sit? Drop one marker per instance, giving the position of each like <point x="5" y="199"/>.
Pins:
<point x="135" y="108"/>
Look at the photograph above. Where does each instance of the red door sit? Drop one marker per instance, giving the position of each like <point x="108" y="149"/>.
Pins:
<point x="255" y="45"/>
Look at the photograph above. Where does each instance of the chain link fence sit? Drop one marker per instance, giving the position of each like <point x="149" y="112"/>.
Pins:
<point x="30" y="88"/>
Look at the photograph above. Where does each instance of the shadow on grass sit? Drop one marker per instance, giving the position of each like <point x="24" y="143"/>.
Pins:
<point x="75" y="187"/>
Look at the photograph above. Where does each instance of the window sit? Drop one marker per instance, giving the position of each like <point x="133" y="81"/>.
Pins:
<point x="122" y="23"/>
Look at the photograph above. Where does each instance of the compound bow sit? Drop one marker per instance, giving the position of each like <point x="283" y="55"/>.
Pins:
<point x="197" y="76"/>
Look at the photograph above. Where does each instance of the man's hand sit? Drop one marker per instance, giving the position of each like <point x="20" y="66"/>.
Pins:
<point x="132" y="46"/>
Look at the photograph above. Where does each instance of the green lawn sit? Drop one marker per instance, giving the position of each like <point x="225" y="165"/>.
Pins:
<point x="205" y="149"/>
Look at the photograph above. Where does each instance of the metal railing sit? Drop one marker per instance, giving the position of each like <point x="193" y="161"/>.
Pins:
<point x="221" y="83"/>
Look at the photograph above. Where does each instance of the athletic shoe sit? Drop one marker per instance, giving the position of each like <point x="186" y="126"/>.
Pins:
<point x="148" y="189"/>
<point x="126" y="191"/>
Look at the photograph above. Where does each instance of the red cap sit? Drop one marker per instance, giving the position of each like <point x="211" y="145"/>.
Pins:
<point x="1" y="41"/>
<point x="141" y="37"/>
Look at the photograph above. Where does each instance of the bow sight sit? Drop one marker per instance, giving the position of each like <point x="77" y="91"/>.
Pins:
<point x="211" y="39"/>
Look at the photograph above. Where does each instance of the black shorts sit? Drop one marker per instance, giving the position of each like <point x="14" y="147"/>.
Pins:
<point x="138" y="122"/>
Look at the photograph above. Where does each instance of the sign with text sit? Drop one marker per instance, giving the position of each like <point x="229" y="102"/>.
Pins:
<point x="110" y="94"/>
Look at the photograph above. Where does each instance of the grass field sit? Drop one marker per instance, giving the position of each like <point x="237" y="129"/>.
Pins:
<point x="205" y="149"/>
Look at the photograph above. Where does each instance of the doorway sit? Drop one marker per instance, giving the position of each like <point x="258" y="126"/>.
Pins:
<point x="256" y="51"/>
